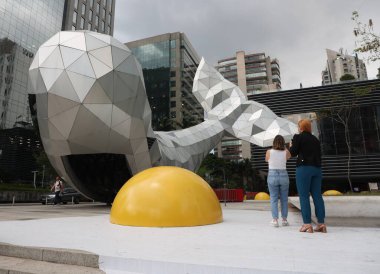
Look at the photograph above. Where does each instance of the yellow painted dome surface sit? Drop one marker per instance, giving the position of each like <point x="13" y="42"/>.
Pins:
<point x="332" y="193"/>
<point x="166" y="197"/>
<point x="262" y="196"/>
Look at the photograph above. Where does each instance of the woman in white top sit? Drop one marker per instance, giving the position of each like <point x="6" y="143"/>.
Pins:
<point x="278" y="179"/>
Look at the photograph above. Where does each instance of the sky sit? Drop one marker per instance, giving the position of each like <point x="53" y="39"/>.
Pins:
<point x="296" y="32"/>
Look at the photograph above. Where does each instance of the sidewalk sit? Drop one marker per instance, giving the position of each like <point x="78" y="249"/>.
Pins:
<point x="243" y="243"/>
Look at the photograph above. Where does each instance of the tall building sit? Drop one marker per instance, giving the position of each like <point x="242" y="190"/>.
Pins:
<point x="339" y="64"/>
<point x="24" y="26"/>
<point x="94" y="15"/>
<point x="169" y="63"/>
<point x="253" y="73"/>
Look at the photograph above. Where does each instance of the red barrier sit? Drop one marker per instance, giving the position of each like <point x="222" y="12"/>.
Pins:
<point x="229" y="195"/>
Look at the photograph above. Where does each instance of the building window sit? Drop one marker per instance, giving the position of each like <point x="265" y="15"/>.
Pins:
<point x="83" y="9"/>
<point x="97" y="8"/>
<point x="172" y="83"/>
<point x="90" y="15"/>
<point x="89" y="26"/>
<point x="102" y="26"/>
<point x="109" y="30"/>
<point x="109" y="19"/>
<point x="103" y="13"/>
<point x="173" y="114"/>
<point x="76" y="4"/>
<point x="172" y="104"/>
<point x="172" y="93"/>
<point x="97" y="20"/>
<point x="172" y="74"/>
<point x="91" y="3"/>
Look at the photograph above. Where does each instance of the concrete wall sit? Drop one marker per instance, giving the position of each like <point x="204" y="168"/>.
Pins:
<point x="20" y="196"/>
<point x="347" y="206"/>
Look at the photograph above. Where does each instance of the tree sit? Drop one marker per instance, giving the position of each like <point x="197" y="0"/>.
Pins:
<point x="341" y="110"/>
<point x="213" y="170"/>
<point x="236" y="174"/>
<point x="369" y="41"/>
<point x="45" y="169"/>
<point x="188" y="121"/>
<point x="166" y="124"/>
<point x="347" y="77"/>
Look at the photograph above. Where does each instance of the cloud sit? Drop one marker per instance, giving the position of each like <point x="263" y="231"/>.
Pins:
<point x="294" y="31"/>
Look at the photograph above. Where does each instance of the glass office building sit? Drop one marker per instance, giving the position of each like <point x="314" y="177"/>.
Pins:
<point x="24" y="26"/>
<point x="169" y="64"/>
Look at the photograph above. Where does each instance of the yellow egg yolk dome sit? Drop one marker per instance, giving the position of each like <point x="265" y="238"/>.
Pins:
<point x="262" y="196"/>
<point x="166" y="197"/>
<point x="332" y="193"/>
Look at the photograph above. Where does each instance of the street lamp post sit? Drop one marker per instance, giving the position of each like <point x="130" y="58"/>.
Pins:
<point x="34" y="177"/>
<point x="225" y="187"/>
<point x="43" y="176"/>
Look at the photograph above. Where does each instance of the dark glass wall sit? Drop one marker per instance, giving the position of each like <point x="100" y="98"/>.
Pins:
<point x="169" y="63"/>
<point x="155" y="61"/>
<point x="24" y="26"/>
<point x="363" y="132"/>
<point x="364" y="125"/>
<point x="192" y="111"/>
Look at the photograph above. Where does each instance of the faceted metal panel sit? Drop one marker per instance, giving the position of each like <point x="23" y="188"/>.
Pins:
<point x="91" y="100"/>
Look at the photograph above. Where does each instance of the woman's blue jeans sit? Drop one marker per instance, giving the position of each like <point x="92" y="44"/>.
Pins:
<point x="278" y="185"/>
<point x="309" y="181"/>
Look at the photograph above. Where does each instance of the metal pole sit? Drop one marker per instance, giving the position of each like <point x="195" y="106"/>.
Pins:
<point x="13" y="200"/>
<point x="43" y="176"/>
<point x="34" y="177"/>
<point x="72" y="200"/>
<point x="225" y="187"/>
<point x="224" y="194"/>
<point x="46" y="201"/>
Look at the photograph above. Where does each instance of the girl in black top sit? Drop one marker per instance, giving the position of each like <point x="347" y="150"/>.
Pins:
<point x="307" y="148"/>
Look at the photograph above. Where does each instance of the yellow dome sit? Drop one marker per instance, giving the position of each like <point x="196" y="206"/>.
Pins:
<point x="332" y="193"/>
<point x="262" y="196"/>
<point x="165" y="197"/>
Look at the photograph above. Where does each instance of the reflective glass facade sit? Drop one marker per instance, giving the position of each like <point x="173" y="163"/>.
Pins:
<point x="169" y="64"/>
<point x="24" y="26"/>
<point x="363" y="130"/>
<point x="155" y="61"/>
<point x="364" y="124"/>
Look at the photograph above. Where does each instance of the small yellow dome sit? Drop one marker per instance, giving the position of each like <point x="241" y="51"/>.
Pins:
<point x="332" y="193"/>
<point x="262" y="196"/>
<point x="166" y="197"/>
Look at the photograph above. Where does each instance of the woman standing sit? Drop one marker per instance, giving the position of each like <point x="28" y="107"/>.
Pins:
<point x="307" y="148"/>
<point x="278" y="179"/>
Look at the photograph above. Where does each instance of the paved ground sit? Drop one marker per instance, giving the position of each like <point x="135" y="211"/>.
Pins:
<point x="243" y="243"/>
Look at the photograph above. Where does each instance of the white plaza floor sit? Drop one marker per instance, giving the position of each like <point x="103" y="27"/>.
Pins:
<point x="243" y="243"/>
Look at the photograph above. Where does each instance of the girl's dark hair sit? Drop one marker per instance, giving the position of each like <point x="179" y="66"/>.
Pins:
<point x="279" y="143"/>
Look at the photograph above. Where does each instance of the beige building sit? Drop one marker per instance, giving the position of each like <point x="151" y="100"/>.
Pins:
<point x="253" y="73"/>
<point x="339" y="64"/>
<point x="94" y="15"/>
